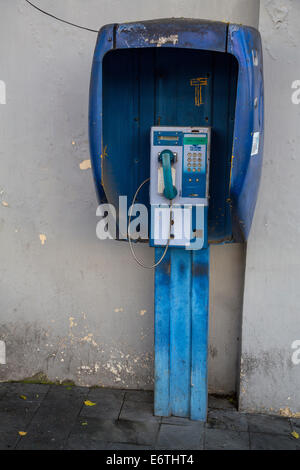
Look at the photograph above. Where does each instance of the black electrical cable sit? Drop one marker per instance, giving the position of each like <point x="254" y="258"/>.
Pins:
<point x="60" y="19"/>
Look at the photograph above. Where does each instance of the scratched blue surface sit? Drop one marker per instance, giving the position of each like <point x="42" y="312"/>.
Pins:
<point x="173" y="32"/>
<point x="246" y="169"/>
<point x="181" y="332"/>
<point x="162" y="307"/>
<point x="103" y="45"/>
<point x="199" y="333"/>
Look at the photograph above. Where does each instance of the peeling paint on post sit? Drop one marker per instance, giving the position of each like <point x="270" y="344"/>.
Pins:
<point x="181" y="333"/>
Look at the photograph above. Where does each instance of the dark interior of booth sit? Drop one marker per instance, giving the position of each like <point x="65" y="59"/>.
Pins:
<point x="168" y="86"/>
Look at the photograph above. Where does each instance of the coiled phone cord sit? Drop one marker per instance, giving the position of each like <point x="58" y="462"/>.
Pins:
<point x="129" y="236"/>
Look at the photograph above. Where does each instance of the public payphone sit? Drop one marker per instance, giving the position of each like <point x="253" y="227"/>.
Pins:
<point x="179" y="171"/>
<point x="178" y="104"/>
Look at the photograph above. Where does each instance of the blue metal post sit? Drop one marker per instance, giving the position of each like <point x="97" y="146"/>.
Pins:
<point x="181" y="333"/>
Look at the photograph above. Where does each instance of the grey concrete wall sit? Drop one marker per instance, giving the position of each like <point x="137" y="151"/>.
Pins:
<point x="270" y="374"/>
<point x="73" y="307"/>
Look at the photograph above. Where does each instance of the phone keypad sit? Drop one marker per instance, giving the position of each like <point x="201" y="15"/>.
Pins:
<point x="194" y="161"/>
<point x="194" y="169"/>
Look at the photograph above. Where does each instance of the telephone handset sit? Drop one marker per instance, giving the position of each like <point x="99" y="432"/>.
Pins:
<point x="167" y="157"/>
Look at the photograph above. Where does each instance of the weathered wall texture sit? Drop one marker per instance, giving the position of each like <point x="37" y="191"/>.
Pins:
<point x="270" y="375"/>
<point x="74" y="307"/>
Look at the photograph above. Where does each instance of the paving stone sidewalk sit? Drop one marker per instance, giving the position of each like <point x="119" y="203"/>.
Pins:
<point x="56" y="417"/>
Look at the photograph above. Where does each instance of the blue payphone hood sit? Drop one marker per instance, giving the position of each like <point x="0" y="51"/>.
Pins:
<point x="129" y="92"/>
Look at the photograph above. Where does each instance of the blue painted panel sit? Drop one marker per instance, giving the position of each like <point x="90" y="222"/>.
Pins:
<point x="175" y="104"/>
<point x="245" y="44"/>
<point x="176" y="96"/>
<point x="162" y="335"/>
<point x="153" y="86"/>
<point x="103" y="45"/>
<point x="180" y="332"/>
<point x="120" y="125"/>
<point x="199" y="333"/>
<point x="223" y="108"/>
